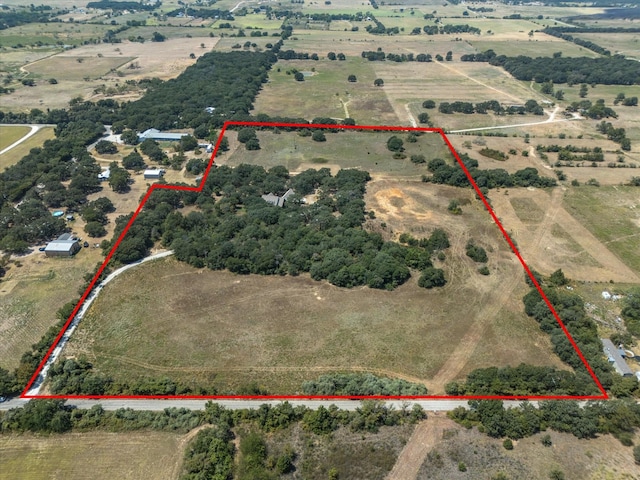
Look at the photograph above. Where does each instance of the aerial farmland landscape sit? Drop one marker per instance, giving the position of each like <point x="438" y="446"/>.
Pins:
<point x="334" y="239"/>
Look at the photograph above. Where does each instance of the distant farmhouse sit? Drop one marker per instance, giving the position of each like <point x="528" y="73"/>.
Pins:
<point x="64" y="246"/>
<point x="276" y="200"/>
<point x="153" y="174"/>
<point x="616" y="357"/>
<point x="159" y="136"/>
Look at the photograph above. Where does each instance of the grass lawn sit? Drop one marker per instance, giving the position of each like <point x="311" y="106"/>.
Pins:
<point x="9" y="134"/>
<point x="612" y="214"/>
<point x="95" y="455"/>
<point x="15" y="154"/>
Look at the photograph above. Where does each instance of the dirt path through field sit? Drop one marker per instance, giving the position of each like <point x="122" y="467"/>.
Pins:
<point x="458" y="72"/>
<point x="423" y="439"/>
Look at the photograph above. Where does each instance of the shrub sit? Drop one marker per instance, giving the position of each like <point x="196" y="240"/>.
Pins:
<point x="418" y="158"/>
<point x="507" y="444"/>
<point x="318" y="136"/>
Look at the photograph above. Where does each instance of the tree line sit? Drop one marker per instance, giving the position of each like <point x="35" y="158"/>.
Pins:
<point x="530" y="106"/>
<point x="443" y="173"/>
<point x="614" y="70"/>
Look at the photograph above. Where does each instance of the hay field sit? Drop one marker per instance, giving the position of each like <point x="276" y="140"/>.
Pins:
<point x="75" y="68"/>
<point x="168" y="319"/>
<point x="95" y="455"/>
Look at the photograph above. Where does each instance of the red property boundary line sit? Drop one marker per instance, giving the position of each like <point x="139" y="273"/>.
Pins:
<point x="199" y="188"/>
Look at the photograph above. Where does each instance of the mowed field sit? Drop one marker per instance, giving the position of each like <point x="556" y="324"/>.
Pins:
<point x="10" y="134"/>
<point x="168" y="319"/>
<point x="95" y="455"/>
<point x="342" y="149"/>
<point x="16" y="153"/>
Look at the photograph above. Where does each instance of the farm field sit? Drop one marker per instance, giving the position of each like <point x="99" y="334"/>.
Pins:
<point x="342" y="149"/>
<point x="313" y="327"/>
<point x="535" y="47"/>
<point x="16" y="153"/>
<point x="9" y="135"/>
<point x="98" y="455"/>
<point x="627" y="44"/>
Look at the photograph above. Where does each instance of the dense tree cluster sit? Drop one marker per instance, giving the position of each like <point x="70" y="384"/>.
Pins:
<point x="485" y="179"/>
<point x="120" y="5"/>
<point x="560" y="33"/>
<point x="378" y="56"/>
<point x="570" y="308"/>
<point x="448" y="29"/>
<point x="530" y="106"/>
<point x="361" y="384"/>
<point x="631" y="311"/>
<point x="203" y="13"/>
<point x="620" y="418"/>
<point x="617" y="135"/>
<point x="614" y="70"/>
<point x="570" y="152"/>
<point x="15" y="18"/>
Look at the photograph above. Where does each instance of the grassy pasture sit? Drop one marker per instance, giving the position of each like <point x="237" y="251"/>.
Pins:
<point x="15" y="154"/>
<point x="325" y="91"/>
<point x="612" y="214"/>
<point x="96" y="455"/>
<point x="76" y="68"/>
<point x="52" y="33"/>
<point x="31" y="294"/>
<point x="541" y="46"/>
<point x="10" y="134"/>
<point x="346" y="149"/>
<point x="204" y="323"/>
<point x="627" y="44"/>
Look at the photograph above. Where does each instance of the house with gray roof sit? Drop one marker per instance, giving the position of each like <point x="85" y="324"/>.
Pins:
<point x="155" y="134"/>
<point x="63" y="246"/>
<point x="616" y="358"/>
<point x="276" y="200"/>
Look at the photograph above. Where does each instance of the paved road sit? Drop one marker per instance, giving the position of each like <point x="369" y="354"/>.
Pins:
<point x="34" y="130"/>
<point x="35" y="388"/>
<point x="159" y="405"/>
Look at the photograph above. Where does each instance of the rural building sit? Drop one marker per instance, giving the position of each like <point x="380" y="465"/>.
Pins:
<point x="155" y="134"/>
<point x="276" y="200"/>
<point x="153" y="174"/>
<point x="615" y="356"/>
<point x="64" y="246"/>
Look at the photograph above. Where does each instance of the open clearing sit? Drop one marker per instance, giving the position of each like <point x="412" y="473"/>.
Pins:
<point x="31" y="294"/>
<point x="484" y="457"/>
<point x="95" y="455"/>
<point x="15" y="154"/>
<point x="343" y="148"/>
<point x="229" y="330"/>
<point x="9" y="135"/>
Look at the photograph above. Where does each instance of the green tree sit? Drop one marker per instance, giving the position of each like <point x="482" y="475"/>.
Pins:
<point x="584" y="90"/>
<point x="7" y="383"/>
<point x="432" y="277"/>
<point x="352" y="78"/>
<point x="636" y="454"/>
<point x="106" y="147"/>
<point x="188" y="143"/>
<point x="507" y="444"/>
<point x="547" y="88"/>
<point x="246" y="134"/>
<point x="428" y="104"/>
<point x="331" y="55"/>
<point x="299" y="76"/>
<point x="133" y="161"/>
<point x="423" y="117"/>
<point x="158" y="37"/>
<point x="252" y="144"/>
<point x="118" y="178"/>
<point x="378" y="82"/>
<point x="394" y="144"/>
<point x="95" y="229"/>
<point x="129" y="137"/>
<point x="558" y="279"/>
<point x="319" y="136"/>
